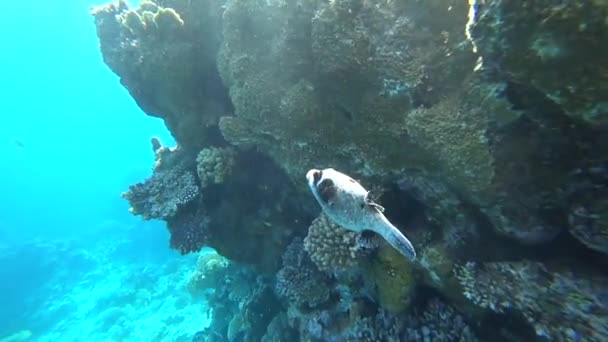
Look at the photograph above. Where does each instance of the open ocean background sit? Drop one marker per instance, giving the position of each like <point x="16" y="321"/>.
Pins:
<point x="74" y="264"/>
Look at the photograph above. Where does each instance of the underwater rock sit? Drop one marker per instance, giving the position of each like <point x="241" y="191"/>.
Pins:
<point x="560" y="305"/>
<point x="557" y="48"/>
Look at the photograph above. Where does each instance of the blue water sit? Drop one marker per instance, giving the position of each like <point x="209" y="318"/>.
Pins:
<point x="74" y="264"/>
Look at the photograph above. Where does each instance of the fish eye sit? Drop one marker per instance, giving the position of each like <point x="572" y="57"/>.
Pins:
<point x="317" y="176"/>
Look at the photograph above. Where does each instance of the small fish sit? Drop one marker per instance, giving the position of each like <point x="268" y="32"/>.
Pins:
<point x="348" y="204"/>
<point x="18" y="143"/>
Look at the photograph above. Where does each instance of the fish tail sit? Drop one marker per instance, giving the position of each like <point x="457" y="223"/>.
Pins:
<point x="395" y="238"/>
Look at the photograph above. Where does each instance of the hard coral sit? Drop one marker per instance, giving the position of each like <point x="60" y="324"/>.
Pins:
<point x="331" y="247"/>
<point x="171" y="187"/>
<point x="299" y="281"/>
<point x="214" y="164"/>
<point x="189" y="231"/>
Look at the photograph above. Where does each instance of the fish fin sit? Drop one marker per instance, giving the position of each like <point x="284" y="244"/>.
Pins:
<point x="373" y="204"/>
<point x="401" y="243"/>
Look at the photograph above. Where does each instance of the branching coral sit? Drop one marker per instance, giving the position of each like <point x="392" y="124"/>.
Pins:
<point x="214" y="164"/>
<point x="331" y="247"/>
<point x="558" y="305"/>
<point x="299" y="281"/>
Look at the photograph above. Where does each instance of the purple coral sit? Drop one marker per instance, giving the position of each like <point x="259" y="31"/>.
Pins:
<point x="299" y="281"/>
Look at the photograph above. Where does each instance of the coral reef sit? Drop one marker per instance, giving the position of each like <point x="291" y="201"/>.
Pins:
<point x="483" y="124"/>
<point x="559" y="305"/>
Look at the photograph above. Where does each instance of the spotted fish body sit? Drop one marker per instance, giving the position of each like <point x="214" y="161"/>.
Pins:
<point x="347" y="203"/>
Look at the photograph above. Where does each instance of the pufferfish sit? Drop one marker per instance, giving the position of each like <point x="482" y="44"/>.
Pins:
<point x="348" y="204"/>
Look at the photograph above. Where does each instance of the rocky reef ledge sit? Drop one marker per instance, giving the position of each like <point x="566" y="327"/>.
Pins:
<point x="481" y="126"/>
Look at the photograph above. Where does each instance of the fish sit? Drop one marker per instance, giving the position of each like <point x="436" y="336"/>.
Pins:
<point x="349" y="205"/>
